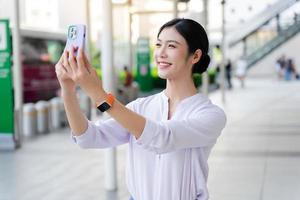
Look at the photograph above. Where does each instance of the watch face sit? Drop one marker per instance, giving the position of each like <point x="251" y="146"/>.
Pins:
<point x="104" y="107"/>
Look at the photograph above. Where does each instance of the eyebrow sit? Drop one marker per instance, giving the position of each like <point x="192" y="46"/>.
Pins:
<point x="169" y="41"/>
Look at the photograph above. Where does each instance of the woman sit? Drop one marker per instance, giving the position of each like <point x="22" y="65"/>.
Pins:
<point x="241" y="69"/>
<point x="170" y="134"/>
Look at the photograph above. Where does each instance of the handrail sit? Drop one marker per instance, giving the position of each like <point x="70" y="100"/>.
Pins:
<point x="258" y="21"/>
<point x="281" y="38"/>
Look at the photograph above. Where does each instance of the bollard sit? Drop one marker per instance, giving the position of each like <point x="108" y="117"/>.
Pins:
<point x="55" y="113"/>
<point x="29" y="120"/>
<point x="42" y="108"/>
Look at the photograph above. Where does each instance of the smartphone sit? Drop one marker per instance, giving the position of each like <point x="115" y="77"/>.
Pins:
<point x="76" y="37"/>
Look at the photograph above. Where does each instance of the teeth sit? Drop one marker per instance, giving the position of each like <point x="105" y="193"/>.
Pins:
<point x="164" y="64"/>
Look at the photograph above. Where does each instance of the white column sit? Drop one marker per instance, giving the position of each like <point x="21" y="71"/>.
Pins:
<point x="108" y="79"/>
<point x="130" y="42"/>
<point x="93" y="111"/>
<point x="88" y="29"/>
<point x="108" y="75"/>
<point x="205" y="82"/>
<point x="175" y="8"/>
<point x="17" y="70"/>
<point x="223" y="48"/>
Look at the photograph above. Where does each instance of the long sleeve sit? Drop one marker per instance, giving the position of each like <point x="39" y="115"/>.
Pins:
<point x="103" y="134"/>
<point x="196" y="131"/>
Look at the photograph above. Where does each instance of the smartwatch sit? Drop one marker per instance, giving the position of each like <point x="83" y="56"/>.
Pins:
<point x="107" y="104"/>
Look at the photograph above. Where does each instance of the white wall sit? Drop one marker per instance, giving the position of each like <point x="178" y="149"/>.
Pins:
<point x="69" y="12"/>
<point x="72" y="12"/>
<point x="6" y="8"/>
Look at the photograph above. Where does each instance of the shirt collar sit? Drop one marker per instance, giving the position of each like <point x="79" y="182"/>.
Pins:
<point x="198" y="96"/>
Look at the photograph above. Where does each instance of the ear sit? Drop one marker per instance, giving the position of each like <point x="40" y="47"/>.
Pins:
<point x="196" y="57"/>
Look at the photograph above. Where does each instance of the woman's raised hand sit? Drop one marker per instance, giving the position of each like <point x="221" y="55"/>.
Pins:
<point x="82" y="73"/>
<point x="66" y="83"/>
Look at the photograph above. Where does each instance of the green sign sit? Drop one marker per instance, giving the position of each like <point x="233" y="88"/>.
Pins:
<point x="6" y="87"/>
<point x="143" y="65"/>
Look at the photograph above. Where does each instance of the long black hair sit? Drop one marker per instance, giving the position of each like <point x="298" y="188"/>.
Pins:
<point x="196" y="38"/>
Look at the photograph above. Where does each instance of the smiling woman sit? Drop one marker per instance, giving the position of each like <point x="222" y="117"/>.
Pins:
<point x="170" y="134"/>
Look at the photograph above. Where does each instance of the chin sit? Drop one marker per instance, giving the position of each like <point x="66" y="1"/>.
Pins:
<point x="167" y="75"/>
<point x="162" y="75"/>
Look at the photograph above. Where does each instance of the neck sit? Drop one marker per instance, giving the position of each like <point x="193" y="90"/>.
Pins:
<point x="180" y="89"/>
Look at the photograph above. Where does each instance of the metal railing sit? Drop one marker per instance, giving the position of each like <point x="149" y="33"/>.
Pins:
<point x="259" y="20"/>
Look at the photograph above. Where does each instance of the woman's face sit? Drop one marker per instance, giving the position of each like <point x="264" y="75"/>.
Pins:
<point x="171" y="55"/>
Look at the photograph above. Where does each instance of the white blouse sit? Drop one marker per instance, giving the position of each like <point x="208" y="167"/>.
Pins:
<point x="169" y="160"/>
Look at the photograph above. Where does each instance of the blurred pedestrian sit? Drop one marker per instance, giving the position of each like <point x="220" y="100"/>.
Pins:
<point x="291" y="70"/>
<point x="216" y="62"/>
<point x="279" y="68"/>
<point x="128" y="77"/>
<point x="241" y="69"/>
<point x="228" y="70"/>
<point x="125" y="90"/>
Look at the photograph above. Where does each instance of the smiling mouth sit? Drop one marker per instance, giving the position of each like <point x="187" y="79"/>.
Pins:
<point x="163" y="64"/>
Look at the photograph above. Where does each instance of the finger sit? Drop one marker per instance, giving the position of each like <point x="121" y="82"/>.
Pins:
<point x="94" y="72"/>
<point x="81" y="63"/>
<point x="86" y="61"/>
<point x="64" y="69"/>
<point x="66" y="63"/>
<point x="65" y="59"/>
<point x="72" y="60"/>
<point x="60" y="61"/>
<point x="58" y="72"/>
<point x="60" y="69"/>
<point x="58" y="66"/>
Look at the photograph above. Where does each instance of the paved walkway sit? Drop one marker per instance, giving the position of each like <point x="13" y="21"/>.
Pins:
<point x="258" y="155"/>
<point x="256" y="158"/>
<point x="51" y="167"/>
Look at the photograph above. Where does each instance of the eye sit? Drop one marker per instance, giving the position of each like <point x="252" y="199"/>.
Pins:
<point x="157" y="44"/>
<point x="171" y="46"/>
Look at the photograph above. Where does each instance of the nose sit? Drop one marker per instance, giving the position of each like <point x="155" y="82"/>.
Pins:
<point x="161" y="52"/>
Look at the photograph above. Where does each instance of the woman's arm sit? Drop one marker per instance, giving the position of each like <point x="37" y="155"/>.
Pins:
<point x="86" y="134"/>
<point x="76" y="119"/>
<point x="130" y="120"/>
<point x="81" y="72"/>
<point x="199" y="130"/>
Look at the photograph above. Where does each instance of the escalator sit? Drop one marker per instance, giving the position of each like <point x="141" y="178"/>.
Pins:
<point x="283" y="36"/>
<point x="248" y="28"/>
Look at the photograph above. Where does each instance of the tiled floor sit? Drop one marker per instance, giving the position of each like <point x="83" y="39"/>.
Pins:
<point x="256" y="158"/>
<point x="51" y="167"/>
<point x="258" y="155"/>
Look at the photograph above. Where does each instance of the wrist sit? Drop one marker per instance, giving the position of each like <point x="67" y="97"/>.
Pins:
<point x="68" y="89"/>
<point x="107" y="103"/>
<point x="99" y="96"/>
<point x="68" y="86"/>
